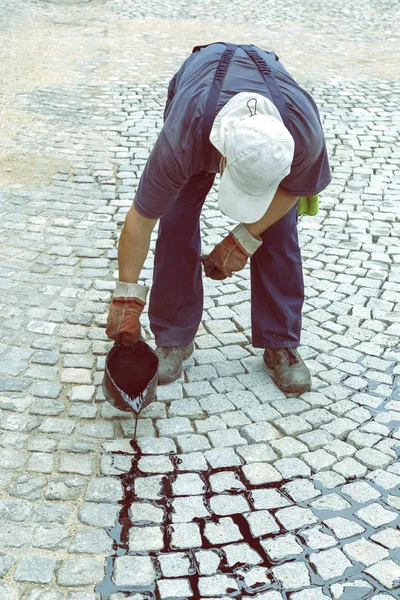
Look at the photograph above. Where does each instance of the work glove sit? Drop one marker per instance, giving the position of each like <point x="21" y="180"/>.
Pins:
<point x="231" y="254"/>
<point x="126" y="306"/>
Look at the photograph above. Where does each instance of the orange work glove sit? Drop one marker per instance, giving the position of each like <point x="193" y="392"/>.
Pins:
<point x="127" y="304"/>
<point x="231" y="254"/>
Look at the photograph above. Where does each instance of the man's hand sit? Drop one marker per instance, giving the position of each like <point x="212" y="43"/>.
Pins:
<point x="127" y="304"/>
<point x="231" y="254"/>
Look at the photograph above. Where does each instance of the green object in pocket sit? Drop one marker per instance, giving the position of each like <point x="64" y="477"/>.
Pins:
<point x="308" y="205"/>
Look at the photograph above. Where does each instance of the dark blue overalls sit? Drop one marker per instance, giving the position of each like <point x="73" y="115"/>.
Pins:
<point x="277" y="288"/>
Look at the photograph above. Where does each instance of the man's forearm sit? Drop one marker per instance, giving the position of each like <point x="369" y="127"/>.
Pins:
<point x="133" y="245"/>
<point x="279" y="207"/>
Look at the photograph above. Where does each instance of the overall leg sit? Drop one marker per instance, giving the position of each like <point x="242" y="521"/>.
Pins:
<point x="176" y="299"/>
<point x="277" y="287"/>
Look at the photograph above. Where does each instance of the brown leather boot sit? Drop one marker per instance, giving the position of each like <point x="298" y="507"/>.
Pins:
<point x="288" y="370"/>
<point x="170" y="361"/>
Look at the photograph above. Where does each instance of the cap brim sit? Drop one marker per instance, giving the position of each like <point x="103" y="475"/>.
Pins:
<point x="240" y="206"/>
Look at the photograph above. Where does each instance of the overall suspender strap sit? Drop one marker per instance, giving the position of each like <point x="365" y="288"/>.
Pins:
<point x="212" y="101"/>
<point x="276" y="92"/>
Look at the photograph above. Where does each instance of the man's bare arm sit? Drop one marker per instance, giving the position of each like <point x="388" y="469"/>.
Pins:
<point x="279" y="207"/>
<point x="133" y="246"/>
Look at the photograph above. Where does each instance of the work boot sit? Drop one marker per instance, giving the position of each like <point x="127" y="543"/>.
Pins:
<point x="289" y="371"/>
<point x="170" y="361"/>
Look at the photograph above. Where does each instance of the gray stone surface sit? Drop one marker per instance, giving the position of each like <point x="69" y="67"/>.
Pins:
<point x="80" y="114"/>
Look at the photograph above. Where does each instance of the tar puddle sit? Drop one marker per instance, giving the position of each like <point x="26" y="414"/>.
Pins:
<point x="243" y="580"/>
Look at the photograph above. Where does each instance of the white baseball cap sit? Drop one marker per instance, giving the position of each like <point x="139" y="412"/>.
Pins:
<point x="249" y="132"/>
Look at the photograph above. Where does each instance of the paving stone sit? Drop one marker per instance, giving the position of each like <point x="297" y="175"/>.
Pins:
<point x="288" y="446"/>
<point x="256" y="453"/>
<point x="317" y="539"/>
<point x="185" y="535"/>
<point x="372" y="458"/>
<point x="6" y="562"/>
<point x="319" y="460"/>
<point x="293" y="425"/>
<point x="174" y="565"/>
<point x="186" y="509"/>
<point x="51" y="538"/>
<point x="98" y="515"/>
<point x="259" y="432"/>
<point x="293" y="575"/>
<point x="235" y="419"/>
<point x="208" y="561"/>
<point x="330" y="563"/>
<point x="35" y="569"/>
<point x="149" y="445"/>
<point x="281" y="547"/>
<point x="72" y="463"/>
<point x="133" y="571"/>
<point x="375" y="515"/>
<point x="262" y="523"/>
<point x="365" y="552"/>
<point x="64" y="488"/>
<point x="193" y="461"/>
<point x="106" y="489"/>
<point x="146" y="539"/>
<point x="260" y="473"/>
<point x="91" y="541"/>
<point x="27" y="487"/>
<point x="340" y="449"/>
<point x="216" y="404"/>
<point x="349" y="467"/>
<point x="222" y="457"/>
<point x="344" y="528"/>
<point x="295" y="517"/>
<point x="174" y="426"/>
<point x="147" y="487"/>
<point x="185" y="408"/>
<point x="384" y="479"/>
<point x="216" y="584"/>
<point x="386" y="572"/>
<point x="330" y="502"/>
<point x="292" y="467"/>
<point x="301" y="489"/>
<point x="47" y="512"/>
<point x="80" y="571"/>
<point x="268" y="498"/>
<point x="228" y="437"/>
<point x="154" y="464"/>
<point x="188" y="484"/>
<point x="225" y="481"/>
<point x="241" y="553"/>
<point x="329" y="479"/>
<point x="361" y="491"/>
<point x="389" y="537"/>
<point x="40" y="462"/>
<point x="192" y="443"/>
<point x="222" y="532"/>
<point x="178" y="588"/>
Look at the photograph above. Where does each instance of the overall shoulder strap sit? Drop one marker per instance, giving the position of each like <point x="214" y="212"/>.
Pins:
<point x="212" y="100"/>
<point x="269" y="78"/>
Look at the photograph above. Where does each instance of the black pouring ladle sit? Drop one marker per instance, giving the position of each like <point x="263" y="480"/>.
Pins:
<point x="130" y="378"/>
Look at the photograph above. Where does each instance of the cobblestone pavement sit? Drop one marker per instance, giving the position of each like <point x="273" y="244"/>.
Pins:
<point x="237" y="491"/>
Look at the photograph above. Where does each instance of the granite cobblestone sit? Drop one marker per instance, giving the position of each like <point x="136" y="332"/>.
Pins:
<point x="316" y="478"/>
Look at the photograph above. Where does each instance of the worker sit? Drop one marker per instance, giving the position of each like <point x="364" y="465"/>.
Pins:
<point x="234" y="110"/>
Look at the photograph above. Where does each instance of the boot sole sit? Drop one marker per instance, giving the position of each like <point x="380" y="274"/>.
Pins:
<point x="287" y="389"/>
<point x="176" y="375"/>
<point x="298" y="390"/>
